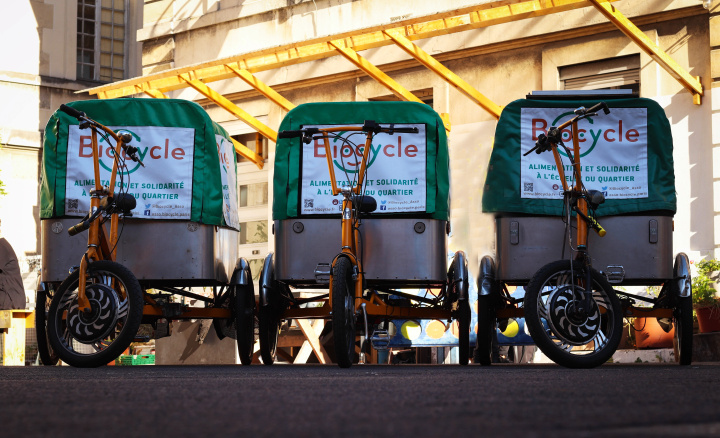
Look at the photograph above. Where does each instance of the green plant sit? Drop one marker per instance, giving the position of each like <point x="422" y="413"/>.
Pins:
<point x="703" y="290"/>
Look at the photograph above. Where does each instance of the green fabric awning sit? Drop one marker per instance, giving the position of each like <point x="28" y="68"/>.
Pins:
<point x="395" y="176"/>
<point x="627" y="154"/>
<point x="190" y="168"/>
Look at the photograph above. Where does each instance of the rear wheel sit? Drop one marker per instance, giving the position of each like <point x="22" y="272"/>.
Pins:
<point x="487" y="296"/>
<point x="683" y="311"/>
<point x="99" y="336"/>
<point x="268" y="329"/>
<point x="683" y="321"/>
<point x="245" y="321"/>
<point x="485" y="331"/>
<point x="572" y="337"/>
<point x="46" y="353"/>
<point x="343" y="308"/>
<point x="463" y="318"/>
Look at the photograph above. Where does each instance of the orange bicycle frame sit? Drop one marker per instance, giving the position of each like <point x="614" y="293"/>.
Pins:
<point x="100" y="247"/>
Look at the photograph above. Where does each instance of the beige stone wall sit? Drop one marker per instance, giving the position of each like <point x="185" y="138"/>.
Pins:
<point x="504" y="62"/>
<point x="37" y="74"/>
<point x="713" y="99"/>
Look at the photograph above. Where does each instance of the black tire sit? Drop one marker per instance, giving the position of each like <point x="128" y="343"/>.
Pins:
<point x="268" y="329"/>
<point x="682" y="310"/>
<point x="99" y="338"/>
<point x="343" y="308"/>
<point x="46" y="353"/>
<point x="683" y="338"/>
<point x="225" y="327"/>
<point x="486" y="330"/>
<point x="599" y="333"/>
<point x="463" y="319"/>
<point x="244" y="296"/>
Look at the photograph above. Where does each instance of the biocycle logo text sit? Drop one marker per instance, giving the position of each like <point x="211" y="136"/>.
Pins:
<point x="610" y="134"/>
<point x="222" y="156"/>
<point x="341" y="154"/>
<point x="107" y="151"/>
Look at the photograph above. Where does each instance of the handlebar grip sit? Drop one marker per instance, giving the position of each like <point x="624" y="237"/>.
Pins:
<point x="79" y="228"/>
<point x="290" y="134"/>
<point x="595" y="225"/>
<point x="412" y="130"/>
<point x="72" y="112"/>
<point x="596" y="108"/>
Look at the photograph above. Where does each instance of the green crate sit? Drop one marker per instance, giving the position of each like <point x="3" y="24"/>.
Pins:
<point x="135" y="359"/>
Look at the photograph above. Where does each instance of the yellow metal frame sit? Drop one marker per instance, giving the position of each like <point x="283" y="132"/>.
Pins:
<point x="347" y="44"/>
<point x="691" y="83"/>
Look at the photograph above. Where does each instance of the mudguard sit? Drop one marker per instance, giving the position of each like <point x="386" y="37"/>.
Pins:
<point x="486" y="279"/>
<point x="267" y="277"/>
<point x="459" y="271"/>
<point x="241" y="275"/>
<point x="681" y="274"/>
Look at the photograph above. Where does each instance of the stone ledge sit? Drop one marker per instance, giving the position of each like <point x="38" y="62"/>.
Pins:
<point x="706" y="347"/>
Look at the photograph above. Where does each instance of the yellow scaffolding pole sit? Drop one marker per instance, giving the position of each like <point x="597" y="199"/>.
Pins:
<point x="374" y="72"/>
<point x="224" y="103"/>
<point x="456" y="81"/>
<point x="261" y="87"/>
<point x="691" y="83"/>
<point x="248" y="153"/>
<point x="416" y="28"/>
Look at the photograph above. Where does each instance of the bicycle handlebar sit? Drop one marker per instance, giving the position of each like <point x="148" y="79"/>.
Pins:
<point x="72" y="112"/>
<point x="599" y="106"/>
<point x="125" y="138"/>
<point x="85" y="224"/>
<point x="544" y="142"/>
<point x="368" y="126"/>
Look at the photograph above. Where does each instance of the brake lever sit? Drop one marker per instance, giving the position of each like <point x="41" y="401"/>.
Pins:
<point x="131" y="152"/>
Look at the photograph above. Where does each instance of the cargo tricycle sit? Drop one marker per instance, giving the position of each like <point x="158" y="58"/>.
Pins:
<point x="162" y="175"/>
<point x="360" y="218"/>
<point x="583" y="192"/>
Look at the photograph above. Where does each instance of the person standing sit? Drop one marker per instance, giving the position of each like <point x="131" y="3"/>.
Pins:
<point x="12" y="291"/>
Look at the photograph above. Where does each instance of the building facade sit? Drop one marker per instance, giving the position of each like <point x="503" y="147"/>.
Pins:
<point x="52" y="49"/>
<point x="63" y="47"/>
<point x="573" y="49"/>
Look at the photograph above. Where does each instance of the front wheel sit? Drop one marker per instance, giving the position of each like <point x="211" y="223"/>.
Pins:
<point x="343" y="308"/>
<point x="99" y="336"/>
<point x="683" y="311"/>
<point x="569" y="336"/>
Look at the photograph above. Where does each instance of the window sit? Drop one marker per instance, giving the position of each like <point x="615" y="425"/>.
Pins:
<point x="426" y="95"/>
<point x="101" y="40"/>
<point x="255" y="142"/>
<point x="253" y="232"/>
<point x="252" y="195"/>
<point x="609" y="74"/>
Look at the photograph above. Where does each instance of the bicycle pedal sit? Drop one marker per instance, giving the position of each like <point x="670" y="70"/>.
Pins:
<point x="380" y="340"/>
<point x="322" y="273"/>
<point x="615" y="274"/>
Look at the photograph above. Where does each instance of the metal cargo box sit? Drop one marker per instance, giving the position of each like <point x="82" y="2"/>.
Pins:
<point x="636" y="249"/>
<point x="188" y="253"/>
<point x="403" y="250"/>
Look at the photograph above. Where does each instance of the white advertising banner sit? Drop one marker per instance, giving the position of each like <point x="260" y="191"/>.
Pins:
<point x="395" y="176"/>
<point x="226" y="154"/>
<point x="163" y="188"/>
<point x="613" y="151"/>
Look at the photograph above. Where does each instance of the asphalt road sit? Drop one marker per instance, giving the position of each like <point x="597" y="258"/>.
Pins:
<point x="370" y="401"/>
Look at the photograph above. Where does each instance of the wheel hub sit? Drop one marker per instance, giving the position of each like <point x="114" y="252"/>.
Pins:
<point x="100" y="320"/>
<point x="573" y="325"/>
